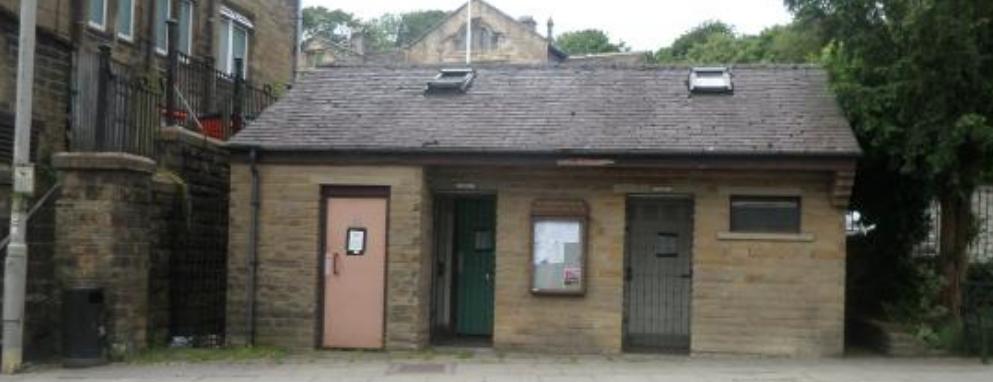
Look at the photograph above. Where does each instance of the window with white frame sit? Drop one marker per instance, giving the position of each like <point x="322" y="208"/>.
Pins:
<point x="164" y="11"/>
<point x="97" y="14"/>
<point x="234" y="35"/>
<point x="125" y="19"/>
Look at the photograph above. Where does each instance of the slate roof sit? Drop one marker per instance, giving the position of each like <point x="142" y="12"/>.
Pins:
<point x="775" y="110"/>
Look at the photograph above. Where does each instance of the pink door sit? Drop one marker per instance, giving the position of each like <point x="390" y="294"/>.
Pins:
<point x="354" y="272"/>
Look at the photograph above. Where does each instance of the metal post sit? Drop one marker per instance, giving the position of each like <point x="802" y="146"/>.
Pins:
<point x="173" y="66"/>
<point x="468" y="33"/>
<point x="103" y="99"/>
<point x="239" y="90"/>
<point x="16" y="270"/>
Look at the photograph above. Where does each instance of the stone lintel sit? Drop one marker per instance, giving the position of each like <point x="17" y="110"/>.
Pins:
<point x="85" y="161"/>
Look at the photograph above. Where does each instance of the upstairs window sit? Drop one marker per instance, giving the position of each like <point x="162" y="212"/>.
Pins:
<point x="765" y="214"/>
<point x="710" y="80"/>
<point x="97" y="14"/>
<point x="125" y="19"/>
<point x="234" y="36"/>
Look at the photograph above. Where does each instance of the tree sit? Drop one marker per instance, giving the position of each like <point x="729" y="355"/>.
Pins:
<point x="915" y="78"/>
<point x="391" y="31"/>
<point x="589" y="41"/>
<point x="335" y="25"/>
<point x="714" y="42"/>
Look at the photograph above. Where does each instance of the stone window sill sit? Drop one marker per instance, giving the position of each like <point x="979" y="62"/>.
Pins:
<point x="788" y="237"/>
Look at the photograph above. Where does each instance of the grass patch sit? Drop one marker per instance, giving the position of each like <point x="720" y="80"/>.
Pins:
<point x="192" y="355"/>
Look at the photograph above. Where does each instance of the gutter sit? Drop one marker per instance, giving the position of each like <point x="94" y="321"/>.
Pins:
<point x="253" y="242"/>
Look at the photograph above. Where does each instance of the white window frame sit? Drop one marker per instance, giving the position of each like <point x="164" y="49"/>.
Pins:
<point x="236" y="21"/>
<point x="89" y="18"/>
<point x="164" y="51"/>
<point x="129" y="36"/>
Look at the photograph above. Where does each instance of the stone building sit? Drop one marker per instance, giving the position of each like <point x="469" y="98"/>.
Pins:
<point x="496" y="38"/>
<point x="580" y="209"/>
<point x="262" y="32"/>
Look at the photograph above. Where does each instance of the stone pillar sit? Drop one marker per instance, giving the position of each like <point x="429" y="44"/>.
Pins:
<point x="103" y="235"/>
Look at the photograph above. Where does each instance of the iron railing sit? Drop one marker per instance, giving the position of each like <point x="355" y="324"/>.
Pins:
<point x="117" y="109"/>
<point x="213" y="102"/>
<point x="114" y="110"/>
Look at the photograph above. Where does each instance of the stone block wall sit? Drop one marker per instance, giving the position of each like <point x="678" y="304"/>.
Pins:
<point x="195" y="229"/>
<point x="519" y="43"/>
<point x="752" y="294"/>
<point x="103" y="237"/>
<point x="288" y="279"/>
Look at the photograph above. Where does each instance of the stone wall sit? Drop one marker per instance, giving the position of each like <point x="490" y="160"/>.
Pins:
<point x="51" y="99"/>
<point x="103" y="237"/>
<point x="194" y="220"/>
<point x="754" y="294"/>
<point x="288" y="278"/>
<point x="519" y="44"/>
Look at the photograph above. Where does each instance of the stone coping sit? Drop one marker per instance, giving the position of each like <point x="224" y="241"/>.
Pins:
<point x="178" y="133"/>
<point x="103" y="161"/>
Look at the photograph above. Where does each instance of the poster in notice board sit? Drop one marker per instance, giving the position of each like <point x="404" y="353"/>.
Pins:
<point x="558" y="256"/>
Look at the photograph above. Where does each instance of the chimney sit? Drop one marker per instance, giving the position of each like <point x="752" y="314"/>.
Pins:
<point x="551" y="25"/>
<point x="358" y="42"/>
<point x="529" y="22"/>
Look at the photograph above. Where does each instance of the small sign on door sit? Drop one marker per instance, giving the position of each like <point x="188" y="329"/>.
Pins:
<point x="355" y="242"/>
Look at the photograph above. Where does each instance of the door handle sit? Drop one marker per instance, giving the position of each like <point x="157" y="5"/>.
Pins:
<point x="334" y="263"/>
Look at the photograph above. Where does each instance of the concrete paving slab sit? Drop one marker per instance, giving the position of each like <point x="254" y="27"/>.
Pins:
<point x="522" y="367"/>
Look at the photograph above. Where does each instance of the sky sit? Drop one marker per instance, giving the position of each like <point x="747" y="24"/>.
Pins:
<point x="642" y="24"/>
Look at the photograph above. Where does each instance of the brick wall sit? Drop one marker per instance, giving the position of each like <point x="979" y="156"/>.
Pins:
<point x="287" y="279"/>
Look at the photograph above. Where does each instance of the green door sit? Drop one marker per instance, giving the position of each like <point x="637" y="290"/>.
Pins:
<point x="474" y="246"/>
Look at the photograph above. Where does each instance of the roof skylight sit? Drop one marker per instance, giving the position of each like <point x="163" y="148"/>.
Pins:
<point x="449" y="80"/>
<point x="716" y="79"/>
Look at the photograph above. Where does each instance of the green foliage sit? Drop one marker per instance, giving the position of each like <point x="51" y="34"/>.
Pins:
<point x="915" y="79"/>
<point x="387" y="32"/>
<point x="392" y="31"/>
<point x="335" y="25"/>
<point x="917" y="304"/>
<point x="715" y="42"/>
<point x="589" y="41"/>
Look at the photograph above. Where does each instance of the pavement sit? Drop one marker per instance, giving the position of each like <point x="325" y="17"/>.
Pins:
<point x="490" y="366"/>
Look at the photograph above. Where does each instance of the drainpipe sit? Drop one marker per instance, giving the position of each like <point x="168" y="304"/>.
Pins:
<point x="253" y="242"/>
<point x="297" y="40"/>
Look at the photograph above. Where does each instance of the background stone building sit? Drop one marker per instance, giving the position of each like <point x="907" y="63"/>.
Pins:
<point x="263" y="32"/>
<point x="497" y="38"/>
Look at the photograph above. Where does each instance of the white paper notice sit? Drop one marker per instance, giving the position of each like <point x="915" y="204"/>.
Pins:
<point x="551" y="238"/>
<point x="356" y="240"/>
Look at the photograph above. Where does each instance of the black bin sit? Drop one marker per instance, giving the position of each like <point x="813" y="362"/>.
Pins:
<point x="83" y="331"/>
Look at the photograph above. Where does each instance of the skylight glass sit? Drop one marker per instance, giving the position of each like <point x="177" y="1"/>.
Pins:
<point x="710" y="80"/>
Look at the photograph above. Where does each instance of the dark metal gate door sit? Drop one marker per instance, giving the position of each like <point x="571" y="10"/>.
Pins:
<point x="658" y="274"/>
